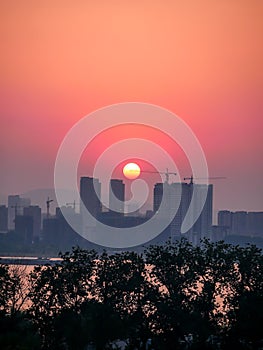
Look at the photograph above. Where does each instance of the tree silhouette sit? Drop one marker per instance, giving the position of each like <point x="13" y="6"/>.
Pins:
<point x="59" y="287"/>
<point x="174" y="296"/>
<point x="246" y="312"/>
<point x="121" y="283"/>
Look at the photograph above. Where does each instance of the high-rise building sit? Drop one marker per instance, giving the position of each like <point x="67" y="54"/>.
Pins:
<point x="239" y="223"/>
<point x="179" y="195"/>
<point x="157" y="196"/>
<point x="203" y="225"/>
<point x="3" y="218"/>
<point x="181" y="198"/>
<point x="13" y="207"/>
<point x="169" y="196"/>
<point x="24" y="228"/>
<point x="35" y="212"/>
<point x="16" y="204"/>
<point x="255" y="223"/>
<point x="116" y="196"/>
<point x="242" y="222"/>
<point x="224" y="218"/>
<point x="90" y="194"/>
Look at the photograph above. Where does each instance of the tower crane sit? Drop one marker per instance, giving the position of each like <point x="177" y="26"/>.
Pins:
<point x="166" y="173"/>
<point x="48" y="205"/>
<point x="73" y="204"/>
<point x="191" y="178"/>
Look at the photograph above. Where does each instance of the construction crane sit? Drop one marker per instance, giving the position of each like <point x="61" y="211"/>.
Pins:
<point x="166" y="173"/>
<point x="191" y="178"/>
<point x="74" y="204"/>
<point x="48" y="205"/>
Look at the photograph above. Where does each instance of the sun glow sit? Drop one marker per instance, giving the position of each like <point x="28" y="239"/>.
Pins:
<point x="131" y="171"/>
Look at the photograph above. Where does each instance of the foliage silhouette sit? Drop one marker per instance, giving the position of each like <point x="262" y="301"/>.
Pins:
<point x="178" y="295"/>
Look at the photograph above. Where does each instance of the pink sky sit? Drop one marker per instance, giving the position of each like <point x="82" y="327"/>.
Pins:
<point x="202" y="60"/>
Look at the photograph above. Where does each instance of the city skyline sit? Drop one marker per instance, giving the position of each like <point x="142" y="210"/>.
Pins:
<point x="39" y="196"/>
<point x="116" y="187"/>
<point x="32" y="226"/>
<point x="202" y="62"/>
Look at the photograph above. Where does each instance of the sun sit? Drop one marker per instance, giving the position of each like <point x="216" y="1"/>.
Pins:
<point x="131" y="171"/>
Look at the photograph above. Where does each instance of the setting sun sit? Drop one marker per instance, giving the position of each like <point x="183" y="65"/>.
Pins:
<point x="131" y="171"/>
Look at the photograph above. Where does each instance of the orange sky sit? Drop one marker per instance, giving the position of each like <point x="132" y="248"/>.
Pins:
<point x="202" y="59"/>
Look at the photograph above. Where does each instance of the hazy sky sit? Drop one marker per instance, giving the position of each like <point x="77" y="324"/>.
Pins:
<point x="202" y="59"/>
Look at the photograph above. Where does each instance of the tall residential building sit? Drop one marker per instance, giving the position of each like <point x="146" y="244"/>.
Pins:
<point x="242" y="222"/>
<point x="255" y="223"/>
<point x="170" y="195"/>
<point x="90" y="194"/>
<point x="239" y="223"/>
<point x="34" y="211"/>
<point x="203" y="225"/>
<point x="157" y="196"/>
<point x="183" y="200"/>
<point x="13" y="207"/>
<point x="116" y="196"/>
<point x="16" y="204"/>
<point x="224" y="218"/>
<point x="3" y="218"/>
<point x="24" y="228"/>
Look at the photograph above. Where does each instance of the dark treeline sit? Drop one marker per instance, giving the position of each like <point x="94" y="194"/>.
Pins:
<point x="176" y="296"/>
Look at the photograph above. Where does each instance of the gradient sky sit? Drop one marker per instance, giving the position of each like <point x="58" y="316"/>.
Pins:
<point x="203" y="60"/>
